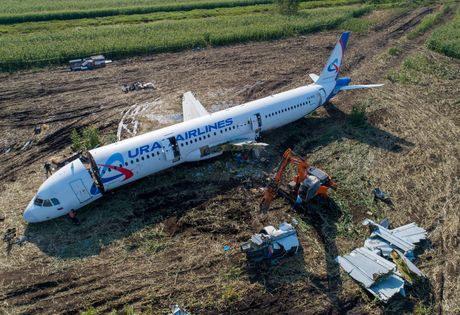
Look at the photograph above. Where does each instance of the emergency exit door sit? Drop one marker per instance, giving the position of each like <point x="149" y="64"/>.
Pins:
<point x="80" y="190"/>
<point x="256" y="123"/>
<point x="171" y="149"/>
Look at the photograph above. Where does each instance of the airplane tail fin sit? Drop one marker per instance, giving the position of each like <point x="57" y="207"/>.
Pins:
<point x="332" y="68"/>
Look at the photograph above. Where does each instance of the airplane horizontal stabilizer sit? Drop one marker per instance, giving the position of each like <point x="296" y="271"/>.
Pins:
<point x="314" y="77"/>
<point x="191" y="107"/>
<point x="354" y="87"/>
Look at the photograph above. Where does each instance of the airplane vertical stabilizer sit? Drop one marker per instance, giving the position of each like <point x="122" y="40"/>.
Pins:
<point x="332" y="68"/>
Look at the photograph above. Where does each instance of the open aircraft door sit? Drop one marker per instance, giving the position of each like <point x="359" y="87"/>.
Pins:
<point x="321" y="97"/>
<point x="80" y="190"/>
<point x="256" y="123"/>
<point x="170" y="149"/>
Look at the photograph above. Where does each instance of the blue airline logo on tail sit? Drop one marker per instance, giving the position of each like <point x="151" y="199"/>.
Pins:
<point x="334" y="66"/>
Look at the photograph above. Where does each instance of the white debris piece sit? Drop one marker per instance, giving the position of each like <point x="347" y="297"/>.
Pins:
<point x="383" y="240"/>
<point x="272" y="243"/>
<point x="376" y="274"/>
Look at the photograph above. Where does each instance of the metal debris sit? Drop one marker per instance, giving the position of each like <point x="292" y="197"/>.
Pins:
<point x="368" y="266"/>
<point x="272" y="243"/>
<point x="382" y="196"/>
<point x="90" y="63"/>
<point x="383" y="241"/>
<point x="137" y="86"/>
<point x="177" y="310"/>
<point x="376" y="274"/>
<point x="26" y="145"/>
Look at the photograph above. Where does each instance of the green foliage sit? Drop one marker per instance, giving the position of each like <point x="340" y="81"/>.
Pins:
<point x="233" y="273"/>
<point x="446" y="39"/>
<point x="120" y="40"/>
<point x="287" y="7"/>
<point x="230" y="294"/>
<point x="427" y="22"/>
<point x="87" y="141"/>
<point x="394" y="51"/>
<point x="356" y="25"/>
<point x="110" y="138"/>
<point x="75" y="138"/>
<point x="422" y="309"/>
<point x="90" y="311"/>
<point x="34" y="11"/>
<point x="414" y="66"/>
<point x="358" y="116"/>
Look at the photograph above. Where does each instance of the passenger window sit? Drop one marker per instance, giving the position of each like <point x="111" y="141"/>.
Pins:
<point x="55" y="201"/>
<point x="110" y="170"/>
<point x="215" y="133"/>
<point x="47" y="203"/>
<point x="142" y="158"/>
<point x="126" y="163"/>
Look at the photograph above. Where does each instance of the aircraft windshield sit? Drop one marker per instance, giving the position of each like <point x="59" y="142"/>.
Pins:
<point x="38" y="202"/>
<point x="46" y="202"/>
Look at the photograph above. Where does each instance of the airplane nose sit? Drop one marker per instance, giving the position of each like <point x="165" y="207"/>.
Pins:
<point x="29" y="215"/>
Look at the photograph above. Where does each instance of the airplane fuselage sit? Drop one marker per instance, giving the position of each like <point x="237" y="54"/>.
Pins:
<point x="201" y="136"/>
<point x="73" y="186"/>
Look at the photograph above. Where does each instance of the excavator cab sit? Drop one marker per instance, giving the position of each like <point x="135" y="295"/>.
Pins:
<point x="308" y="183"/>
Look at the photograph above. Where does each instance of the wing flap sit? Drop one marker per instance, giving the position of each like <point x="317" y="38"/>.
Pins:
<point x="191" y="107"/>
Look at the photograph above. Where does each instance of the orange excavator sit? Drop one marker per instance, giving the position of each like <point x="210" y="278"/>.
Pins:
<point x="308" y="183"/>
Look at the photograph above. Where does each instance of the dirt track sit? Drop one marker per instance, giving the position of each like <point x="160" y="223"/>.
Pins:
<point x="104" y="262"/>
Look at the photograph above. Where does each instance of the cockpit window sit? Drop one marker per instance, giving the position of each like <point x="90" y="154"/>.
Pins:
<point x="55" y="201"/>
<point x="47" y="203"/>
<point x="38" y="202"/>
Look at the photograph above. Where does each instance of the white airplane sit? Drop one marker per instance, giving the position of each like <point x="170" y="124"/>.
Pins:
<point x="200" y="136"/>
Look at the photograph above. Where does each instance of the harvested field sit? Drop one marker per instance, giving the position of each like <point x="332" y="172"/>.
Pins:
<point x="160" y="241"/>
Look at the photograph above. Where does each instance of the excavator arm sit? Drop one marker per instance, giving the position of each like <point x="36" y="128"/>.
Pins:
<point x="303" y="170"/>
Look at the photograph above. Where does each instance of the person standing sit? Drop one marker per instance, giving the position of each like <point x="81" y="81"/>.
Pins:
<point x="48" y="169"/>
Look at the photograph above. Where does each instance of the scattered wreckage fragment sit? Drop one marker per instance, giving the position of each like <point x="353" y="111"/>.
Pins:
<point x="369" y="265"/>
<point x="271" y="244"/>
<point x="137" y="86"/>
<point x="90" y="63"/>
<point x="384" y="240"/>
<point x="375" y="273"/>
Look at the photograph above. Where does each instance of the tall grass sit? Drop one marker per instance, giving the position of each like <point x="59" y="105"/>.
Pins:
<point x="427" y="22"/>
<point x="112" y="9"/>
<point x="446" y="39"/>
<point x="43" y="48"/>
<point x="56" y="25"/>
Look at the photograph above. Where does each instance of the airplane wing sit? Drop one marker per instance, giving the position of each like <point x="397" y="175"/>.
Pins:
<point x="354" y="87"/>
<point x="243" y="144"/>
<point x="191" y="107"/>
